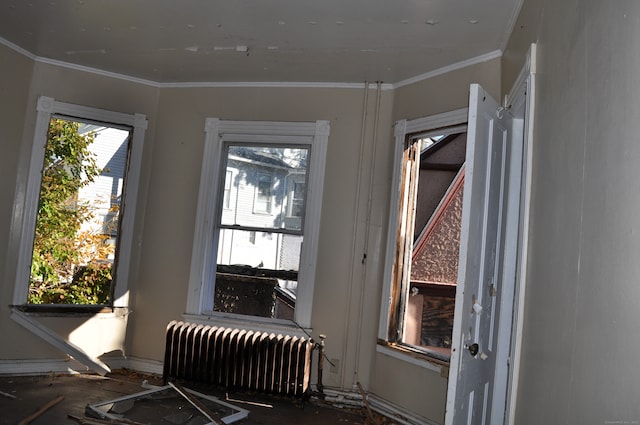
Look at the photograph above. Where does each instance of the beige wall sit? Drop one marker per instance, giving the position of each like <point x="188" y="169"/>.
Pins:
<point x="446" y="92"/>
<point x="16" y="71"/>
<point x="581" y="338"/>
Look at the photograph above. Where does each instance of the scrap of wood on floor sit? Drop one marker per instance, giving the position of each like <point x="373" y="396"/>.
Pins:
<point x="35" y="415"/>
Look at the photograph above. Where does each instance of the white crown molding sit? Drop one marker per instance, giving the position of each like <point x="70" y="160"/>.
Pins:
<point x="446" y="69"/>
<point x="96" y="71"/>
<point x="268" y="84"/>
<point x="18" y="49"/>
<point x="265" y="84"/>
<point x="511" y="25"/>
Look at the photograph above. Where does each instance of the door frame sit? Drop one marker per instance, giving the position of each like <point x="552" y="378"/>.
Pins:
<point x="521" y="100"/>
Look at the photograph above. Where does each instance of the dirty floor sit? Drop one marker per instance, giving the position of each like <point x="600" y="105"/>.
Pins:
<point x="21" y="396"/>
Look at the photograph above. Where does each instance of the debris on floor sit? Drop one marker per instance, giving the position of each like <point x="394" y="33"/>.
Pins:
<point x="30" y="393"/>
<point x="170" y="404"/>
<point x="41" y="410"/>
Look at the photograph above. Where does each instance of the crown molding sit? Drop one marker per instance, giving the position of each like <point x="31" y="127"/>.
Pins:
<point x="248" y="84"/>
<point x="449" y="68"/>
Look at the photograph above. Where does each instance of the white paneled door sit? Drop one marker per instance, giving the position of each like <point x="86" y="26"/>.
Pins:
<point x="484" y="299"/>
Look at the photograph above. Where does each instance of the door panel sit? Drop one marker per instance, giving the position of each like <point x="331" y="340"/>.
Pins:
<point x="472" y="396"/>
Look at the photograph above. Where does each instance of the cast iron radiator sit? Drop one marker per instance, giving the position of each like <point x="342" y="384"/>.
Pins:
<point x="238" y="359"/>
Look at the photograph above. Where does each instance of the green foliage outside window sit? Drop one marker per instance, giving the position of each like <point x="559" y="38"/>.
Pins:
<point x="69" y="264"/>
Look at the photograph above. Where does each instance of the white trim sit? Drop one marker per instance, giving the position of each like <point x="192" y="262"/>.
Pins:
<point x="205" y="242"/>
<point x="397" y="354"/>
<point x="511" y="24"/>
<point x="59" y="342"/>
<point x="24" y="216"/>
<point x="401" y="129"/>
<point x="202" y="84"/>
<point x="353" y="398"/>
<point x="135" y="363"/>
<point x="41" y="367"/>
<point x="249" y="323"/>
<point x="277" y="84"/>
<point x="449" y="68"/>
<point x="18" y="49"/>
<point x="72" y="366"/>
<point x="397" y="413"/>
<point x="526" y="80"/>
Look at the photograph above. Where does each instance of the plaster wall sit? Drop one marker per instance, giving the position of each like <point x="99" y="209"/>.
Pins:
<point x="445" y="92"/>
<point x="580" y="326"/>
<point x="15" y="72"/>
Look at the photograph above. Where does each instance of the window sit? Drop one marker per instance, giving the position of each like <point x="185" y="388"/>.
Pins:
<point x="109" y="200"/>
<point x="424" y="234"/>
<point x="227" y="189"/>
<point x="242" y="251"/>
<point x="262" y="201"/>
<point x="296" y="199"/>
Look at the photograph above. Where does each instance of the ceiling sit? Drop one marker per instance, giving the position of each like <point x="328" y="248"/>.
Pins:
<point x="322" y="41"/>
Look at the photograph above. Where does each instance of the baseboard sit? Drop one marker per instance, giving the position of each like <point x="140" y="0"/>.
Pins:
<point x="42" y="367"/>
<point x="134" y="363"/>
<point x="71" y="366"/>
<point x="379" y="405"/>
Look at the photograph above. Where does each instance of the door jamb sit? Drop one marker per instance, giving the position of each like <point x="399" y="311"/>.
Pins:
<point x="521" y="99"/>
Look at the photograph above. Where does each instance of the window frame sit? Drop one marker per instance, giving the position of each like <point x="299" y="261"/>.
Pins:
<point x="205" y="243"/>
<point x="402" y="130"/>
<point x="26" y="209"/>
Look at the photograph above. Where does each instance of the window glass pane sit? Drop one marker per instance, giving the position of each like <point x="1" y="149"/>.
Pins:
<point x="257" y="273"/>
<point x="263" y="187"/>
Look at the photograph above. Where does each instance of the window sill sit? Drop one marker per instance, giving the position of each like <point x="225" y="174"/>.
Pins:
<point x="69" y="310"/>
<point x="285" y="327"/>
<point x="413" y="356"/>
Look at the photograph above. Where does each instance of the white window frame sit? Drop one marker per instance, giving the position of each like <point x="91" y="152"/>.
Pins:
<point x="401" y="129"/>
<point x="26" y="209"/>
<point x="205" y="242"/>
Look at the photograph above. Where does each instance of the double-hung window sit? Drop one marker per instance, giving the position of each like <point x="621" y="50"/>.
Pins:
<point x="255" y="257"/>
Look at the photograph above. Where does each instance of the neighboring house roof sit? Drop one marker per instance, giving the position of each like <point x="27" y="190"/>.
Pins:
<point x="258" y="157"/>
<point x="436" y="252"/>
